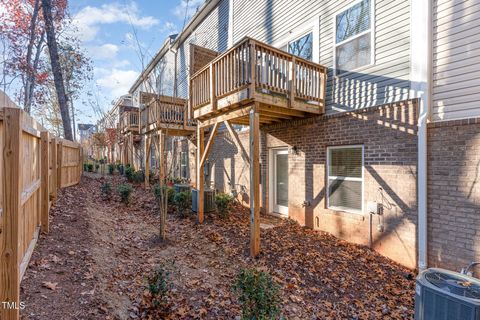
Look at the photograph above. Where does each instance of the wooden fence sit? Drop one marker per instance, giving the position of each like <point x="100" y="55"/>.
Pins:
<point x="33" y="165"/>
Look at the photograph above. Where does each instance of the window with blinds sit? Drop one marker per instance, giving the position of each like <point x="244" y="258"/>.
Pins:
<point x="353" y="37"/>
<point x="345" y="178"/>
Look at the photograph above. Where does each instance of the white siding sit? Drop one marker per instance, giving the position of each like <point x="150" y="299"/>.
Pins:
<point x="211" y="33"/>
<point x="456" y="59"/>
<point x="273" y="21"/>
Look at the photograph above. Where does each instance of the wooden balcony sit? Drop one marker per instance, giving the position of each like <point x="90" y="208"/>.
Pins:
<point x="166" y="113"/>
<point x="129" y="122"/>
<point x="281" y="86"/>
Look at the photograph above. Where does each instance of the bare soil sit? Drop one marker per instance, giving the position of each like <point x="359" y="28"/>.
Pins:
<point x="95" y="261"/>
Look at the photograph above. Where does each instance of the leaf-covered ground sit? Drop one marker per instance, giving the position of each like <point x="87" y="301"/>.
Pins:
<point x="94" y="264"/>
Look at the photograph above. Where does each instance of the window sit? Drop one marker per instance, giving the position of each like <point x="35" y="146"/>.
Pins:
<point x="302" y="47"/>
<point x="353" y="37"/>
<point x="345" y="178"/>
<point x="183" y="165"/>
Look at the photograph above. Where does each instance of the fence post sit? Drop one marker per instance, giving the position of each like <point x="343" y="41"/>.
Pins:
<point x="59" y="164"/>
<point x="45" y="186"/>
<point x="10" y="260"/>
<point x="54" y="168"/>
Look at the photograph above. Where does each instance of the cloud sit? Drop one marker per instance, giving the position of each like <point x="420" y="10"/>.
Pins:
<point x="104" y="51"/>
<point x="169" y="28"/>
<point x="89" y="18"/>
<point x="115" y="81"/>
<point x="188" y="7"/>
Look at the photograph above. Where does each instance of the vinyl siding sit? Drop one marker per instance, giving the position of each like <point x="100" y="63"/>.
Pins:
<point x="456" y="52"/>
<point x="387" y="80"/>
<point x="211" y="33"/>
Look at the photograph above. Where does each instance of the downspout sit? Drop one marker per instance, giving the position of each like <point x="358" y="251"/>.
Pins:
<point x="421" y="80"/>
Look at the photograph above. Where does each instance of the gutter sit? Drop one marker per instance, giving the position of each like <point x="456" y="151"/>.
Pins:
<point x="421" y="35"/>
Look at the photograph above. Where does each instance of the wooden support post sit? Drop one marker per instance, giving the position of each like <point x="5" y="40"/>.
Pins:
<point x="200" y="173"/>
<point x="59" y="164"/>
<point x="45" y="192"/>
<point x="210" y="142"/>
<point x="54" y="166"/>
<point x="147" y="161"/>
<point x="291" y="95"/>
<point x="254" y="183"/>
<point x="237" y="142"/>
<point x="253" y="69"/>
<point x="163" y="158"/>
<point x="213" y="98"/>
<point x="10" y="237"/>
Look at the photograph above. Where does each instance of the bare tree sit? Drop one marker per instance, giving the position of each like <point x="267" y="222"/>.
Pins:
<point x="56" y="69"/>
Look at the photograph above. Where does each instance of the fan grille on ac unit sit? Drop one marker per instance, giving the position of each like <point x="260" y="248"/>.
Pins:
<point x="453" y="284"/>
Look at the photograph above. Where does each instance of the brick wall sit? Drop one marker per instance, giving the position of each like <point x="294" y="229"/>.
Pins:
<point x="454" y="193"/>
<point x="388" y="134"/>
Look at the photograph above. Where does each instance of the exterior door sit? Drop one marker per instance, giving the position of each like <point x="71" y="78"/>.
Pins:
<point x="280" y="181"/>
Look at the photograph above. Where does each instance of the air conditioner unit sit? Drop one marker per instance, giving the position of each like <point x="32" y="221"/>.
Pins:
<point x="446" y="295"/>
<point x="208" y="200"/>
<point x="181" y="187"/>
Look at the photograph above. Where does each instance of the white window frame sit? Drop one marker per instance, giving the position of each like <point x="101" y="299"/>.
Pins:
<point x="362" y="179"/>
<point x="372" y="38"/>
<point x="312" y="26"/>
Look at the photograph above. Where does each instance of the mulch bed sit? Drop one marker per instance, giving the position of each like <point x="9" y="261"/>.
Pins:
<point x="94" y="264"/>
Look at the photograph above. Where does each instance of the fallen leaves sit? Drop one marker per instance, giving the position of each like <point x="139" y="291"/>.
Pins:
<point x="50" y="285"/>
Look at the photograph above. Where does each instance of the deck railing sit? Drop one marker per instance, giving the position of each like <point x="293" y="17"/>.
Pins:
<point x="270" y="68"/>
<point x="166" y="110"/>
<point x="129" y="121"/>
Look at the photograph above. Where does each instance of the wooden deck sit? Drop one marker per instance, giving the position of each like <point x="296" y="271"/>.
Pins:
<point x="281" y="85"/>
<point x="166" y="113"/>
<point x="129" y="122"/>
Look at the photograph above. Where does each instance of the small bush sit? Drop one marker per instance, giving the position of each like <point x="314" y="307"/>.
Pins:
<point x="258" y="295"/>
<point x="85" y="167"/>
<point x="90" y="167"/>
<point x="120" y="168"/>
<point x="138" y="176"/>
<point x="111" y="168"/>
<point x="106" y="189"/>
<point x="159" y="286"/>
<point x="223" y="202"/>
<point x="129" y="171"/>
<point x="183" y="200"/>
<point x="96" y="167"/>
<point x="158" y="194"/>
<point x="125" y="190"/>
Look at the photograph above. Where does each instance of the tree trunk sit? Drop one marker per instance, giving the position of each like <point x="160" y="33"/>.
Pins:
<point x="31" y="77"/>
<point x="31" y="69"/>
<point x="57" y="70"/>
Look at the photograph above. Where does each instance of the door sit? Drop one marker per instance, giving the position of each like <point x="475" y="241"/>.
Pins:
<point x="280" y="181"/>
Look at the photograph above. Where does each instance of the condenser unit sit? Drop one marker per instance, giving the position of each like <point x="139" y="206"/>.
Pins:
<point x="446" y="295"/>
<point x="181" y="187"/>
<point x="208" y="200"/>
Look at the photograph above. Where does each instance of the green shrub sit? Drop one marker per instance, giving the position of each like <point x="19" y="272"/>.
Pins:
<point x="111" y="168"/>
<point x="170" y="193"/>
<point x="159" y="286"/>
<point x="90" y="167"/>
<point x="96" y="167"/>
<point x="85" y="167"/>
<point x="258" y="295"/>
<point x="125" y="190"/>
<point x="183" y="200"/>
<point x="138" y="176"/>
<point x="129" y="171"/>
<point x="223" y="202"/>
<point x="106" y="189"/>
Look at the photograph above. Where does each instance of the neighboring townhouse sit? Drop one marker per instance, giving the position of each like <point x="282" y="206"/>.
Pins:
<point x="392" y="159"/>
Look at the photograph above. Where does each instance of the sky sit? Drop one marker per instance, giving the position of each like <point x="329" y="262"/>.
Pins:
<point x="107" y="32"/>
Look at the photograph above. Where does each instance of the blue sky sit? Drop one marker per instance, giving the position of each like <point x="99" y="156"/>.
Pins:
<point x="107" y="28"/>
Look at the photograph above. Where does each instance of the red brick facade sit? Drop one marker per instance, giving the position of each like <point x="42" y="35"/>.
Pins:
<point x="388" y="134"/>
<point x="454" y="193"/>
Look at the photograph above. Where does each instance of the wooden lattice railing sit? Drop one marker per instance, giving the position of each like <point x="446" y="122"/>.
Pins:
<point x="270" y="68"/>
<point x="129" y="121"/>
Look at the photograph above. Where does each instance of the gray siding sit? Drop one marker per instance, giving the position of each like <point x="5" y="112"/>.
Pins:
<point x="211" y="33"/>
<point x="386" y="81"/>
<point x="456" y="52"/>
